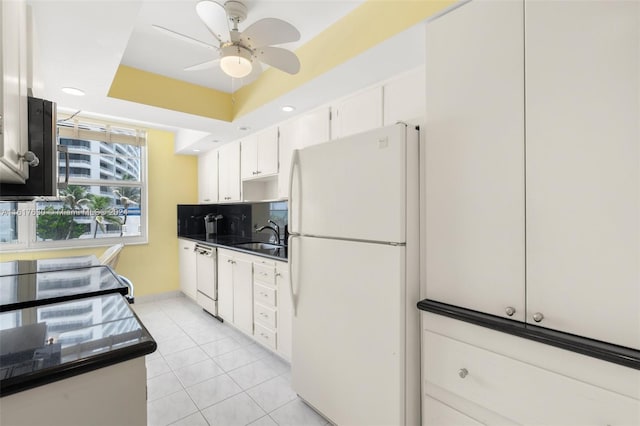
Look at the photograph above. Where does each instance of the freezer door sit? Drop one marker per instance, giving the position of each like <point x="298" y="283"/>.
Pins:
<point x="353" y="188"/>
<point x="348" y="359"/>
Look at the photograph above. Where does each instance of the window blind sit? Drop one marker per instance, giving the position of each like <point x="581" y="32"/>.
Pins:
<point x="87" y="130"/>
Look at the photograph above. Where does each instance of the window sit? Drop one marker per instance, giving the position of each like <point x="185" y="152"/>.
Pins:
<point x="105" y="198"/>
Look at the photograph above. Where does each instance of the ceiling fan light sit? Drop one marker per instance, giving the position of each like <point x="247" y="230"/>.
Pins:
<point x="236" y="61"/>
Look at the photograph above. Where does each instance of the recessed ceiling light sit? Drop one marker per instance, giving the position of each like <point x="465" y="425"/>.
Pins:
<point x="195" y="150"/>
<point x="288" y="108"/>
<point x="73" y="91"/>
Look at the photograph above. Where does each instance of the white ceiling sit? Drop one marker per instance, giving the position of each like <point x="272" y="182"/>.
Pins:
<point x="150" y="50"/>
<point x="82" y="43"/>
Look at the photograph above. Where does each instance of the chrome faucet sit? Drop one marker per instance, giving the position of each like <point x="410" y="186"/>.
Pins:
<point x="277" y="228"/>
<point x="275" y="233"/>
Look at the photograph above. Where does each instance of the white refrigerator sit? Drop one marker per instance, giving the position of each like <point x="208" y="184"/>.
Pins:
<point x="354" y="267"/>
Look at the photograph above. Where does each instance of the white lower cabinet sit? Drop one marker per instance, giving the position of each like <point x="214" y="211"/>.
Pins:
<point x="285" y="310"/>
<point x="112" y="395"/>
<point x="253" y="294"/>
<point x="235" y="298"/>
<point x="264" y="302"/>
<point x="489" y="384"/>
<point x="272" y="306"/>
<point x="187" y="267"/>
<point x="225" y="285"/>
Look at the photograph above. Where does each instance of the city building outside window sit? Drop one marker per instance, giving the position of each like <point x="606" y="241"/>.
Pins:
<point x="104" y="200"/>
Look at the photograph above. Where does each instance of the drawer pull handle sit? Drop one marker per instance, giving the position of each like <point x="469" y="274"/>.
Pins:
<point x="463" y="372"/>
<point x="537" y="317"/>
<point x="510" y="310"/>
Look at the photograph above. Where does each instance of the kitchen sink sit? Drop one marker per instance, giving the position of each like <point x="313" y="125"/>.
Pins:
<point x="258" y="246"/>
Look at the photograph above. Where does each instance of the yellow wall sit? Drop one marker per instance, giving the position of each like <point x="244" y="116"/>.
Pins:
<point x="172" y="180"/>
<point x="144" y="87"/>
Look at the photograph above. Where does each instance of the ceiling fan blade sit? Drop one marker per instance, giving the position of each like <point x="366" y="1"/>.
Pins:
<point x="268" y="31"/>
<point x="277" y="57"/>
<point x="183" y="37"/>
<point x="203" y="65"/>
<point x="215" y="18"/>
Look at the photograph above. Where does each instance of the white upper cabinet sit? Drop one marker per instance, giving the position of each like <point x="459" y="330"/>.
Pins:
<point x="474" y="160"/>
<point x="404" y="98"/>
<point x="268" y="152"/>
<point x="208" y="177"/>
<point x="229" y="172"/>
<point x="249" y="157"/>
<point x="357" y="113"/>
<point x="583" y="167"/>
<point x="259" y="154"/>
<point x="13" y="92"/>
<point x="305" y="130"/>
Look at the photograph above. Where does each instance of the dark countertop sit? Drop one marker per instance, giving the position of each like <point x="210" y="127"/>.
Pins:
<point x="43" y="344"/>
<point x="28" y="289"/>
<point x="585" y="346"/>
<point x="228" y="241"/>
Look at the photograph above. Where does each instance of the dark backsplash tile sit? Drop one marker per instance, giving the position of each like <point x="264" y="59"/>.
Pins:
<point x="238" y="220"/>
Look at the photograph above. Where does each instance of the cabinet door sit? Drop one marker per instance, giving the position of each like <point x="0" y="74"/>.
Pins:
<point x="357" y="113"/>
<point x="208" y="177"/>
<point x="229" y="172"/>
<point x="286" y="145"/>
<point x="583" y="175"/>
<point x="402" y="100"/>
<point x="474" y="161"/>
<point x="243" y="295"/>
<point x="285" y="310"/>
<point x="268" y="152"/>
<point x="314" y="128"/>
<point x="225" y="286"/>
<point x="249" y="157"/>
<point x="13" y="91"/>
<point x="309" y="129"/>
<point x="187" y="265"/>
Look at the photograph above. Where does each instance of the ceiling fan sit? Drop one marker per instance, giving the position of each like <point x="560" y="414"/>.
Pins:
<point x="240" y="52"/>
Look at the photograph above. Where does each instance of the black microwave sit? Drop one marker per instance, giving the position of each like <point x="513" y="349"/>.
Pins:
<point x="43" y="177"/>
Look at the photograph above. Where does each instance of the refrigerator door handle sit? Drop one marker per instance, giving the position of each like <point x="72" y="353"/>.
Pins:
<point x="294" y="163"/>
<point x="294" y="298"/>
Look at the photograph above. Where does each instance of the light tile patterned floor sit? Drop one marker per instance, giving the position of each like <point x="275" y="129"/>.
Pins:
<point x="208" y="373"/>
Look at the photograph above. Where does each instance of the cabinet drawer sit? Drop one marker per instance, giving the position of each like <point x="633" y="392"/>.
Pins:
<point x="438" y="414"/>
<point x="264" y="295"/>
<point x="265" y="336"/>
<point x="265" y="316"/>
<point x="264" y="273"/>
<point x="520" y="391"/>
